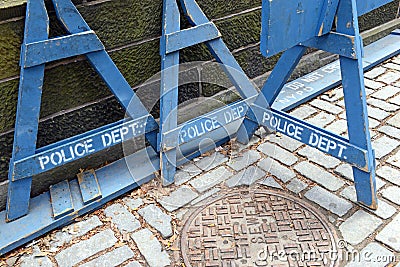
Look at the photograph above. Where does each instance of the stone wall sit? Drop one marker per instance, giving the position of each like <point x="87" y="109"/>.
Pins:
<point x="75" y="99"/>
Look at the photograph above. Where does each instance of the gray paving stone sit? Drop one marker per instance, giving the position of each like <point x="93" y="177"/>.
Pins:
<point x="133" y="264"/>
<point x="246" y="177"/>
<point x="395" y="159"/>
<point x="338" y="127"/>
<point x="373" y="84"/>
<point x="386" y="92"/>
<point x="186" y="172"/>
<point x="212" y="161"/>
<point x="373" y="255"/>
<point x="389" y="77"/>
<point x="151" y="248"/>
<point x="369" y="91"/>
<point x="346" y="171"/>
<point x="319" y="175"/>
<point x="238" y="147"/>
<point x="375" y="72"/>
<point x="321" y="119"/>
<point x="75" y="230"/>
<point x="247" y="158"/>
<point x="394" y="121"/>
<point x="333" y="95"/>
<point x="392" y="193"/>
<point x="328" y="107"/>
<point x="390" y="174"/>
<point x="349" y="193"/>
<point x="296" y="185"/>
<point x="270" y="182"/>
<point x="112" y="258"/>
<point x="382" y="104"/>
<point x="395" y="60"/>
<point x="359" y="226"/>
<point x="384" y="145"/>
<point x="36" y="262"/>
<point x="177" y="199"/>
<point x="122" y="218"/>
<point x="303" y="112"/>
<point x="392" y="66"/>
<point x="154" y="216"/>
<point x="86" y="248"/>
<point x="285" y="142"/>
<point x="373" y="123"/>
<point x="207" y="180"/>
<point x="319" y="157"/>
<point x="395" y="100"/>
<point x="278" y="153"/>
<point x="379" y="183"/>
<point x="205" y="195"/>
<point x="276" y="169"/>
<point x="390" y="234"/>
<point x="133" y="203"/>
<point x="377" y="113"/>
<point x="390" y="131"/>
<point x="328" y="201"/>
<point x="32" y="261"/>
<point x="385" y="211"/>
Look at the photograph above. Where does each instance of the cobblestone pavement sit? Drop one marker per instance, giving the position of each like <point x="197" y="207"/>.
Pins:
<point x="143" y="228"/>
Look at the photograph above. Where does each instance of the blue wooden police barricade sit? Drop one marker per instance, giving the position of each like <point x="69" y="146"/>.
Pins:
<point x="292" y="27"/>
<point x="26" y="219"/>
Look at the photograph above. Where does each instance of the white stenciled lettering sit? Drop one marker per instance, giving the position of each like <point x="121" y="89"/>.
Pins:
<point x="325" y="144"/>
<point x="331" y="68"/>
<point x="66" y="154"/>
<point x="315" y="76"/>
<point x="199" y="128"/>
<point x="283" y="126"/>
<point x="43" y="160"/>
<point x="294" y="85"/>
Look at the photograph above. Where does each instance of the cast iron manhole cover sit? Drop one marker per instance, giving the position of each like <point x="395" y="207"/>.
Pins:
<point x="260" y="228"/>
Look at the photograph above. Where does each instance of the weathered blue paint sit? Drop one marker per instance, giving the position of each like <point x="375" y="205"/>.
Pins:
<point x="347" y="43"/>
<point x="335" y="43"/>
<point x="364" y="6"/>
<point x="316" y="137"/>
<point x="327" y="17"/>
<point x="207" y="123"/>
<point x="188" y="37"/>
<point x="114" y="180"/>
<point x="61" y="47"/>
<point x="169" y="89"/>
<point x="36" y="50"/>
<point x="356" y="104"/>
<point x="74" y="148"/>
<point x="89" y="186"/>
<point x="61" y="200"/>
<point x="172" y="40"/>
<point x="28" y="110"/>
<point x="307" y="87"/>
<point x="177" y="144"/>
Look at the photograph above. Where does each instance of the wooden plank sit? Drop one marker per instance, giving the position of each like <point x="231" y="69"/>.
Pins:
<point x="61" y="200"/>
<point x="89" y="186"/>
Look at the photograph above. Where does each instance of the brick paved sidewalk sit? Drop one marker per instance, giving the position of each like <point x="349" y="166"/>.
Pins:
<point x="143" y="228"/>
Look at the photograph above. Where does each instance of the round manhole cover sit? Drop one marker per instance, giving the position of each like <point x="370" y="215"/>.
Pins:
<point x="260" y="228"/>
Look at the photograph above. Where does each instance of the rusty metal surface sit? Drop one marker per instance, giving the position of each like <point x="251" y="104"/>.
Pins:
<point x="259" y="228"/>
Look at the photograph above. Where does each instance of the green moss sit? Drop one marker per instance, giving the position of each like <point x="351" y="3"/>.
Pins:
<point x="241" y="30"/>
<point x="8" y="100"/>
<point x="121" y="22"/>
<point x="10" y="42"/>
<point x="138" y="63"/>
<point x="219" y="8"/>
